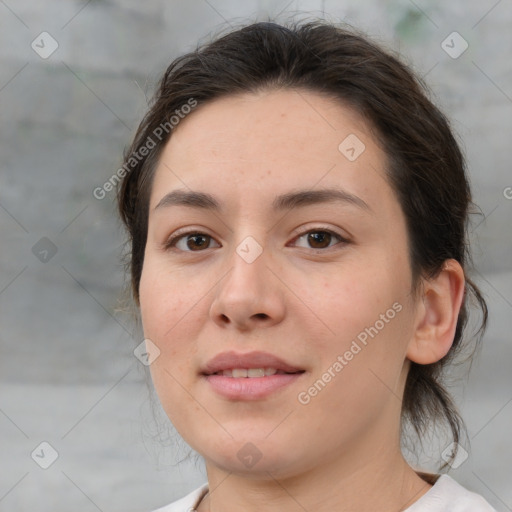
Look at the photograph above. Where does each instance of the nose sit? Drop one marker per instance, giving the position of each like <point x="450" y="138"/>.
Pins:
<point x="249" y="296"/>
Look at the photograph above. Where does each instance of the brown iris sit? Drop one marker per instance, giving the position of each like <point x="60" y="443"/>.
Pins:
<point x="319" y="239"/>
<point x="198" y="241"/>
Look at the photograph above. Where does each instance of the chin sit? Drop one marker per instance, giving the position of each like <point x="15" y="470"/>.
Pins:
<point x="257" y="459"/>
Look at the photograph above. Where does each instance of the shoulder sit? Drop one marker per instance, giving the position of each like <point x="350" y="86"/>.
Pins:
<point x="448" y="496"/>
<point x="187" y="503"/>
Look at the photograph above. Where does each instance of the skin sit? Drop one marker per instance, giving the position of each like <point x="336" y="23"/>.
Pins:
<point x="341" y="451"/>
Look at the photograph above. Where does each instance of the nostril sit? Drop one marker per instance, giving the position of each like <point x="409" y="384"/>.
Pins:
<point x="260" y="315"/>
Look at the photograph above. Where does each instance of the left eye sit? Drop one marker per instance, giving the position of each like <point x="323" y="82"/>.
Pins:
<point x="319" y="239"/>
<point x="192" y="242"/>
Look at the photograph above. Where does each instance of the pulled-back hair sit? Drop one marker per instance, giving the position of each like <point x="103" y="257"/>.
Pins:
<point x="426" y="168"/>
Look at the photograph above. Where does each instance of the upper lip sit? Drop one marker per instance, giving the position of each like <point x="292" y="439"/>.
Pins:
<point x="231" y="360"/>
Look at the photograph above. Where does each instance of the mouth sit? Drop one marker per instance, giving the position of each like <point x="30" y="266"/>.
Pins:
<point x="251" y="373"/>
<point x="249" y="376"/>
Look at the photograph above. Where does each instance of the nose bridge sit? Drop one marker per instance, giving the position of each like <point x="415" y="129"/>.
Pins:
<point x="248" y="270"/>
<point x="248" y="294"/>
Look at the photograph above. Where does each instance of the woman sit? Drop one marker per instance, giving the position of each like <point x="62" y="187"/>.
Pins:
<point x="296" y="210"/>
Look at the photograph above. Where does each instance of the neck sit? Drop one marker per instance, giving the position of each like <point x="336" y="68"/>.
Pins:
<point x="388" y="486"/>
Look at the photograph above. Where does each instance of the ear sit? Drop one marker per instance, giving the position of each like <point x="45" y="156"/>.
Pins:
<point x="436" y="315"/>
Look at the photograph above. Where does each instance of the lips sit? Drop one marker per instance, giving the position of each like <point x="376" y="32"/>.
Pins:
<point x="251" y="376"/>
<point x="226" y="361"/>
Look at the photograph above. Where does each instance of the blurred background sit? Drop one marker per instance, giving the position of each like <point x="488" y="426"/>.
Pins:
<point x="74" y="78"/>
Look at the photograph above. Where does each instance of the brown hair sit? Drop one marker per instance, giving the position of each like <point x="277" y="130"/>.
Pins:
<point x="426" y="168"/>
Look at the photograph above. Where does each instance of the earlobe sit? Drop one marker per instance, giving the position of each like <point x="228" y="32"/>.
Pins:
<point x="437" y="314"/>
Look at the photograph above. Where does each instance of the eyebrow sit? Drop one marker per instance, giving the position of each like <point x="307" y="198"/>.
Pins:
<point x="287" y="201"/>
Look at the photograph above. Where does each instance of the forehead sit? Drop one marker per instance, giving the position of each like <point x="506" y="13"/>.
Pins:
<point x="253" y="146"/>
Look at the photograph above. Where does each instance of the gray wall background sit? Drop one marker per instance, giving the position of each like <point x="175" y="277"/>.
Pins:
<point x="68" y="376"/>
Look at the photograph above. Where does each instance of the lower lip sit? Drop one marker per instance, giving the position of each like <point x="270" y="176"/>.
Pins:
<point x="250" y="388"/>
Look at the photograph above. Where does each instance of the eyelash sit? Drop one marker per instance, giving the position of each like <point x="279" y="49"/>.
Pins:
<point x="172" y="241"/>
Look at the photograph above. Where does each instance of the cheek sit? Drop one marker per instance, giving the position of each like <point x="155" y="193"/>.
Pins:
<point x="353" y="296"/>
<point x="361" y="359"/>
<point x="367" y="311"/>
<point x="170" y="306"/>
<point x="170" y="309"/>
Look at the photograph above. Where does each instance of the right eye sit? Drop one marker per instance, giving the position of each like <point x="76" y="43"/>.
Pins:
<point x="193" y="241"/>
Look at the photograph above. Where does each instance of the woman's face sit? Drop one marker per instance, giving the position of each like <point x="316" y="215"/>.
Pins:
<point x="319" y="280"/>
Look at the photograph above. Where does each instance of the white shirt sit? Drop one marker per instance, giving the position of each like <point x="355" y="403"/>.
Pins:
<point x="446" y="495"/>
